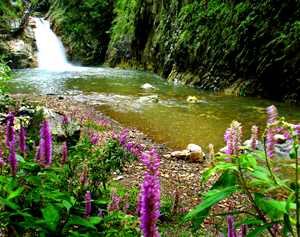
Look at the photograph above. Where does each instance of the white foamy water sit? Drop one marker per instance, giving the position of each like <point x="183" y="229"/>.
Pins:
<point x="51" y="53"/>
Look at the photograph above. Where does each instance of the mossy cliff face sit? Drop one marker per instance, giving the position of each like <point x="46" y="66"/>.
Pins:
<point x="247" y="48"/>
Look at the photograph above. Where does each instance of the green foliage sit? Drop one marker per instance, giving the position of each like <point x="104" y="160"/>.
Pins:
<point x="4" y="77"/>
<point x="84" y="26"/>
<point x="243" y="173"/>
<point x="216" y="41"/>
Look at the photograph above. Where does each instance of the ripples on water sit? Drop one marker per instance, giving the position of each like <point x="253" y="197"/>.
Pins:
<point x="172" y="121"/>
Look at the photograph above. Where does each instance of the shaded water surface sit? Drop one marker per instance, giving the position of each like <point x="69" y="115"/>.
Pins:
<point x="172" y="121"/>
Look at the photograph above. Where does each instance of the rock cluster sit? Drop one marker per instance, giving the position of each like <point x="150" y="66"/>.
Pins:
<point x="192" y="153"/>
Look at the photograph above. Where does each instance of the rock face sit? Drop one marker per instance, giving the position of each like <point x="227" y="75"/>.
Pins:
<point x="21" y="50"/>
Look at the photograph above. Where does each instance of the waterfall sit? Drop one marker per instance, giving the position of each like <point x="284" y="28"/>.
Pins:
<point x="51" y="54"/>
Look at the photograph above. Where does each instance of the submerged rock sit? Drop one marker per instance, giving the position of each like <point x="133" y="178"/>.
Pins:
<point x="149" y="99"/>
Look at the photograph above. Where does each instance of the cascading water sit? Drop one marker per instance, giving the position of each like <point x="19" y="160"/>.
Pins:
<point x="51" y="53"/>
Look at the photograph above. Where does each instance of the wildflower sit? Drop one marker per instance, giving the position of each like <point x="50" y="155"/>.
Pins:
<point x="181" y="210"/>
<point x="10" y="132"/>
<point x="1" y="160"/>
<point x="10" y="142"/>
<point x="113" y="135"/>
<point x="126" y="130"/>
<point x="150" y="195"/>
<point x="84" y="176"/>
<point x="100" y="214"/>
<point x="253" y="139"/>
<point x="233" y="137"/>
<point x="22" y="142"/>
<point x="87" y="205"/>
<point x="90" y="115"/>
<point x="94" y="140"/>
<point x="126" y="206"/>
<point x="113" y="196"/>
<point x="244" y="230"/>
<point x="122" y="139"/>
<point x="175" y="204"/>
<point x="211" y="152"/>
<point x="271" y="142"/>
<point x="81" y="119"/>
<point x="65" y="119"/>
<point x="64" y="153"/>
<point x="46" y="142"/>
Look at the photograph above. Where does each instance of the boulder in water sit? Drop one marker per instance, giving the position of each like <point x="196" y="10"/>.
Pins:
<point x="192" y="99"/>
<point x="147" y="86"/>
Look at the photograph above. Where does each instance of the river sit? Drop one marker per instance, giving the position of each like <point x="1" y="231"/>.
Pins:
<point x="172" y="120"/>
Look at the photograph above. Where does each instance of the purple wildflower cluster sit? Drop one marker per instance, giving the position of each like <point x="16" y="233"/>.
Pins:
<point x="88" y="204"/>
<point x="233" y="137"/>
<point x="117" y="202"/>
<point x="130" y="147"/>
<point x="149" y="195"/>
<point x="231" y="231"/>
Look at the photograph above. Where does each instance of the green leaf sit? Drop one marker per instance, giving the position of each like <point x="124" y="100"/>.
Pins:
<point x="225" y="180"/>
<point x="208" y="202"/>
<point x="78" y="220"/>
<point x="15" y="193"/>
<point x="292" y="153"/>
<point x="95" y="219"/>
<point x="50" y="213"/>
<point x="288" y="224"/>
<point x="260" y="229"/>
<point x="67" y="205"/>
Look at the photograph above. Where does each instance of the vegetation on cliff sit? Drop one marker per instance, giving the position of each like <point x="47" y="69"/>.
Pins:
<point x="247" y="47"/>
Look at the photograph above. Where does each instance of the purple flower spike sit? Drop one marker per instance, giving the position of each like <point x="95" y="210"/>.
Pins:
<point x="46" y="142"/>
<point x="100" y="214"/>
<point x="126" y="130"/>
<point x="244" y="229"/>
<point x="65" y="119"/>
<point x="64" y="150"/>
<point x="149" y="196"/>
<point x="181" y="210"/>
<point x="233" y="137"/>
<point x="10" y="132"/>
<point x="254" y="139"/>
<point x="94" y="140"/>
<point x="87" y="205"/>
<point x="175" y="204"/>
<point x="271" y="142"/>
<point x="22" y="142"/>
<point x="10" y="142"/>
